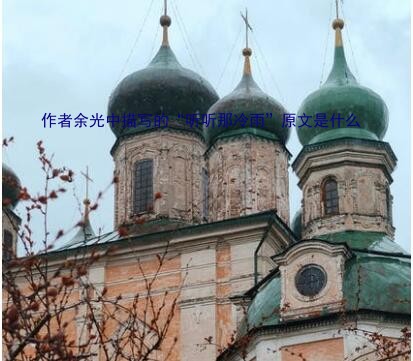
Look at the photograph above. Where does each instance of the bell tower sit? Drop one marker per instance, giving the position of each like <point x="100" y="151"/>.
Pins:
<point x="158" y="154"/>
<point x="345" y="167"/>
<point x="247" y="155"/>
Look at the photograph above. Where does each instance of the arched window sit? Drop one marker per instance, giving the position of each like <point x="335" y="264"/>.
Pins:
<point x="389" y="205"/>
<point x="7" y="246"/>
<point x="330" y="196"/>
<point x="143" y="186"/>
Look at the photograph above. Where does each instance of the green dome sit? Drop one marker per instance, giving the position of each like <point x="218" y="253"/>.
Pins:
<point x="342" y="94"/>
<point x="376" y="278"/>
<point x="296" y="225"/>
<point x="247" y="98"/>
<point x="164" y="87"/>
<point x="11" y="187"/>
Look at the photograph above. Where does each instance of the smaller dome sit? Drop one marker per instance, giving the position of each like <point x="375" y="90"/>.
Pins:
<point x="381" y="273"/>
<point x="11" y="187"/>
<point x="247" y="99"/>
<point x="342" y="94"/>
<point x="296" y="224"/>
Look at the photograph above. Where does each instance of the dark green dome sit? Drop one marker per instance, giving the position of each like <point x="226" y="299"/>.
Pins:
<point x="11" y="187"/>
<point x="163" y="87"/>
<point x="247" y="98"/>
<point x="342" y="94"/>
<point x="296" y="224"/>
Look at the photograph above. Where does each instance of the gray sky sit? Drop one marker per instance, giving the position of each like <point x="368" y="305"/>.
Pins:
<point x="67" y="56"/>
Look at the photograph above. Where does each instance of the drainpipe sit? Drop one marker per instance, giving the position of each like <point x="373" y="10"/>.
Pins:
<point x="257" y="250"/>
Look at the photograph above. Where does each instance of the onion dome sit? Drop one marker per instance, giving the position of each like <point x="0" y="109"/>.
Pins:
<point x="85" y="231"/>
<point x="11" y="187"/>
<point x="296" y="224"/>
<point x="247" y="99"/>
<point x="164" y="87"/>
<point x="342" y="95"/>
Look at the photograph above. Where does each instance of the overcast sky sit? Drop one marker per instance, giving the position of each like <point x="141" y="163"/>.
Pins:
<point x="68" y="56"/>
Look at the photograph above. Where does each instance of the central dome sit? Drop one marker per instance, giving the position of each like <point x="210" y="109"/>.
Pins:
<point x="248" y="99"/>
<point x="164" y="87"/>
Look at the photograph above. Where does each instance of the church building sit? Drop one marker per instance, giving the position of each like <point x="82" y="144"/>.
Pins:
<point x="256" y="285"/>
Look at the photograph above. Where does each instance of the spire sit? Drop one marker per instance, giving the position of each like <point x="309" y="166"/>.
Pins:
<point x="86" y="230"/>
<point x="86" y="201"/>
<point x="340" y="74"/>
<point x="338" y="25"/>
<point x="165" y="56"/>
<point x="247" y="52"/>
<point x="165" y="23"/>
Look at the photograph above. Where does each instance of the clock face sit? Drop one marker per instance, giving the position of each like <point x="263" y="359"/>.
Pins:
<point x="310" y="280"/>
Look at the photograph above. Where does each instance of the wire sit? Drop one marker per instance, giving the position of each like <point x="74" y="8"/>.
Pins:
<point x="264" y="85"/>
<point x="229" y="58"/>
<point x="136" y="41"/>
<point x="272" y="77"/>
<point x="154" y="42"/>
<point x="183" y="37"/>
<point x="188" y="37"/>
<point x="326" y="47"/>
<point x="187" y="42"/>
<point x="236" y="72"/>
<point x="351" y="47"/>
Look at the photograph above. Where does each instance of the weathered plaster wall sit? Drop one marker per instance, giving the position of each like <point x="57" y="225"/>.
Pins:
<point x="178" y="160"/>
<point x="247" y="175"/>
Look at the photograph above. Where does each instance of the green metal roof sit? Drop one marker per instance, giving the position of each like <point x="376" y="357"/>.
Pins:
<point x="83" y="234"/>
<point x="376" y="278"/>
<point x="342" y="94"/>
<point x="365" y="241"/>
<point x="161" y="234"/>
<point x="378" y="283"/>
<point x="265" y="308"/>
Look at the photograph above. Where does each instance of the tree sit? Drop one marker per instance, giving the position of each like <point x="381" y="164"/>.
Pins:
<point x="53" y="310"/>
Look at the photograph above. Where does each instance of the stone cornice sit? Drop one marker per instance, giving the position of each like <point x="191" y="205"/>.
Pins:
<point x="190" y="236"/>
<point x="348" y="142"/>
<point x="344" y="151"/>
<point x="229" y="137"/>
<point x="319" y="322"/>
<point x="188" y="133"/>
<point x="311" y="246"/>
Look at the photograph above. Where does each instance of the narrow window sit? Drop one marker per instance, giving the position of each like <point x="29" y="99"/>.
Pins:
<point x="330" y="195"/>
<point x="389" y="206"/>
<point x="143" y="186"/>
<point x="7" y="246"/>
<point x="205" y="193"/>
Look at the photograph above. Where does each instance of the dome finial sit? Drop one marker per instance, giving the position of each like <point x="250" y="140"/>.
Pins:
<point x="85" y="230"/>
<point x="338" y="25"/>
<point x="165" y="23"/>
<point x="86" y="201"/>
<point x="246" y="51"/>
<point x="340" y="73"/>
<point x="342" y="94"/>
